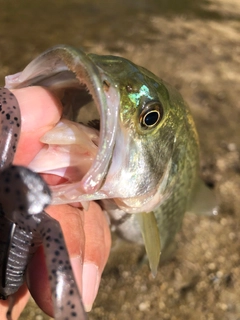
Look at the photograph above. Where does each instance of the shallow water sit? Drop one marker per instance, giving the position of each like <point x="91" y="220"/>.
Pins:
<point x="195" y="46"/>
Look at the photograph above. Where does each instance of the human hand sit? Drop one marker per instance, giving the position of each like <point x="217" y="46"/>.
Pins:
<point x="87" y="234"/>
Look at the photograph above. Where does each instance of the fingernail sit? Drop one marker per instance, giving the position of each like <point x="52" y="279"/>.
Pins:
<point x="77" y="267"/>
<point x="90" y="284"/>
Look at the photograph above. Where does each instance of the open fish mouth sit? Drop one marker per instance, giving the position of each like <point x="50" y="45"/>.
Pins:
<point x="102" y="147"/>
<point x="80" y="147"/>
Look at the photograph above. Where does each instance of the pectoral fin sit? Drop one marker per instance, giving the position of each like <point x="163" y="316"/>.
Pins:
<point x="151" y="239"/>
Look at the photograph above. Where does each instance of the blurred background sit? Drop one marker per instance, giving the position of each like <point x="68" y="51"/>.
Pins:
<point x="195" y="46"/>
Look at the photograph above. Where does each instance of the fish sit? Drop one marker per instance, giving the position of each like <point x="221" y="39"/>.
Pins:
<point x="126" y="139"/>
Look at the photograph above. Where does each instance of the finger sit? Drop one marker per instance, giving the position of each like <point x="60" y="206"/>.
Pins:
<point x="97" y="249"/>
<point x="40" y="111"/>
<point x="20" y="300"/>
<point x="98" y="238"/>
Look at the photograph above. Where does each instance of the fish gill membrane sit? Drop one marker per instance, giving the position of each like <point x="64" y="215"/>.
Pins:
<point x="126" y="138"/>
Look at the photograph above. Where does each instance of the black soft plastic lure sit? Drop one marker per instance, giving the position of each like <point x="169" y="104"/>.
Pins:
<point x="24" y="225"/>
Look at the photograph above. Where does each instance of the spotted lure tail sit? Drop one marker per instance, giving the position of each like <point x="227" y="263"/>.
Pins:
<point x="24" y="225"/>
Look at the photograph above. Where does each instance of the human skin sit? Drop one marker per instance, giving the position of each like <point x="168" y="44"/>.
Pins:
<point x="86" y="233"/>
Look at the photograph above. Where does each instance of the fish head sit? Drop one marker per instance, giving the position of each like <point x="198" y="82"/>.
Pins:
<point x="143" y="126"/>
<point x="144" y="142"/>
<point x="152" y="129"/>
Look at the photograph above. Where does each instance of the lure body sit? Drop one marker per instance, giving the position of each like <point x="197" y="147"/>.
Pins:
<point x="24" y="225"/>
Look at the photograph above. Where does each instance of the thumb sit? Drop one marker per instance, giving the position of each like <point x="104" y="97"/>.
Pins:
<point x="40" y="111"/>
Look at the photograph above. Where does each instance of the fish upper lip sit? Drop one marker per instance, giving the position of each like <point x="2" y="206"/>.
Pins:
<point x="64" y="58"/>
<point x="109" y="111"/>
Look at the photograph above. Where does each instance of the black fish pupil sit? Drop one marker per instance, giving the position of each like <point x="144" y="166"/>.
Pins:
<point x="151" y="118"/>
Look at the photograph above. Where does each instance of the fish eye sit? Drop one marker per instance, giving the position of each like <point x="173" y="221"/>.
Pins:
<point x="151" y="115"/>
